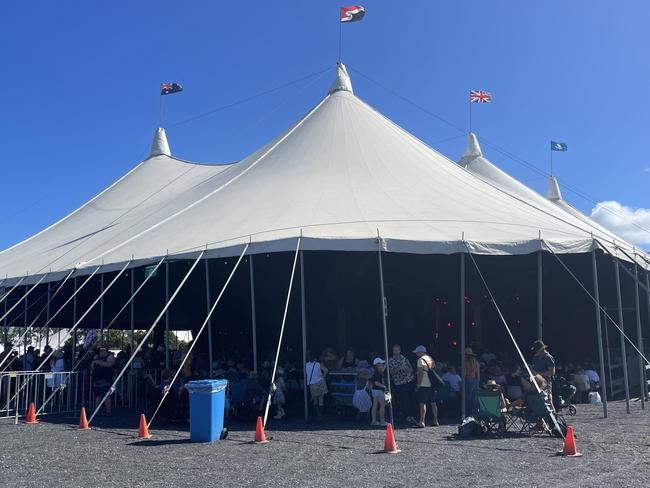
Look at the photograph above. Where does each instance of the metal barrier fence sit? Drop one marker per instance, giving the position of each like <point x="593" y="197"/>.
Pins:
<point x="68" y="391"/>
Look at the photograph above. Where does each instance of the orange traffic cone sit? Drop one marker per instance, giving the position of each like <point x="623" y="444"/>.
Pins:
<point x="569" y="449"/>
<point x="390" y="446"/>
<point x="83" y="421"/>
<point x="30" y="418"/>
<point x="260" y="437"/>
<point x="143" y="432"/>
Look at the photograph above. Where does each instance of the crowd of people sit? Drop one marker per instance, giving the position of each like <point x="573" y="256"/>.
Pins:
<point x="419" y="385"/>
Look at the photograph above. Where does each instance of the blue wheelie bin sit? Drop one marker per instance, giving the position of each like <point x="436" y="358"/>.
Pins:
<point x="207" y="406"/>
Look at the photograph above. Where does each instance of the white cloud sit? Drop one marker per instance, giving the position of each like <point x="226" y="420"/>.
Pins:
<point x="628" y="222"/>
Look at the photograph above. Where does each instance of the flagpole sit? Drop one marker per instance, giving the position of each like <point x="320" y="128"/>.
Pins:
<point x="551" y="159"/>
<point x="470" y="115"/>
<point x="340" y="36"/>
<point x="161" y="109"/>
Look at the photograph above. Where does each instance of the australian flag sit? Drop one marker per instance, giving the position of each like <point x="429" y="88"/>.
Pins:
<point x="558" y="146"/>
<point x="169" y="88"/>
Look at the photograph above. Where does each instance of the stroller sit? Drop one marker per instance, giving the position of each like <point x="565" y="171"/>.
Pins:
<point x="563" y="393"/>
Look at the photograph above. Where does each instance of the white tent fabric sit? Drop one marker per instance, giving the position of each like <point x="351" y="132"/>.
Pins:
<point x="474" y="161"/>
<point x="340" y="176"/>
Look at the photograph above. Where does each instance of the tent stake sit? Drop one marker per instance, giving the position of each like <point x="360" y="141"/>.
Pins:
<point x="621" y="325"/>
<point x="599" y="332"/>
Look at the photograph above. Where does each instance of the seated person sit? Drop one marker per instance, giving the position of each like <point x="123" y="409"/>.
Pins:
<point x="492" y="385"/>
<point x="349" y="361"/>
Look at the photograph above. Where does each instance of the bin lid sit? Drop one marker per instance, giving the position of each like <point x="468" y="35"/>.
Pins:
<point x="206" y="386"/>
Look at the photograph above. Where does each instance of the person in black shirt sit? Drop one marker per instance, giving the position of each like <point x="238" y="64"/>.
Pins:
<point x="378" y="386"/>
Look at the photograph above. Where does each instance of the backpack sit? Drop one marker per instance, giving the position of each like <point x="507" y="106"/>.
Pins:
<point x="434" y="378"/>
<point x="470" y="428"/>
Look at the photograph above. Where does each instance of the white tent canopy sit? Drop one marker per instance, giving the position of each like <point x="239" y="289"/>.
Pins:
<point x="474" y="161"/>
<point x="340" y="176"/>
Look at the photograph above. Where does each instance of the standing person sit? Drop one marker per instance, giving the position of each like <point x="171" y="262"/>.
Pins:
<point x="29" y="359"/>
<point x="102" y="368"/>
<point x="424" y="389"/>
<point x="378" y="387"/>
<point x="472" y="377"/>
<point x="402" y="377"/>
<point x="544" y="366"/>
<point x="315" y="379"/>
<point x="279" y="396"/>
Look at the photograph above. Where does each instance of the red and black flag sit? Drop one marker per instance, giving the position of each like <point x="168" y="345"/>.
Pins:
<point x="169" y="88"/>
<point x="353" y="13"/>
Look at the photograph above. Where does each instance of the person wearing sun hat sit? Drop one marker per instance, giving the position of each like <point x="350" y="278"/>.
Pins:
<point x="543" y="362"/>
<point x="472" y="377"/>
<point x="425" y="392"/>
<point x="378" y="388"/>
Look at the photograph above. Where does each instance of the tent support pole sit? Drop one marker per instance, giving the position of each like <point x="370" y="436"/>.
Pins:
<point x="540" y="303"/>
<point x="463" y="391"/>
<point x="384" y="315"/>
<point x="6" y="326"/>
<point x="253" y="316"/>
<point x="47" y="314"/>
<point x="303" y="317"/>
<point x="647" y="285"/>
<point x="609" y="356"/>
<point x="132" y="309"/>
<point x="25" y="323"/>
<point x="166" y="338"/>
<point x="621" y="325"/>
<point x="208" y="305"/>
<point x="639" y="340"/>
<point x="101" y="307"/>
<point x="74" y="321"/>
<point x="599" y="332"/>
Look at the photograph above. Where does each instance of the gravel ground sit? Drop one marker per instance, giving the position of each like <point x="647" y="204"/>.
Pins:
<point x="53" y="453"/>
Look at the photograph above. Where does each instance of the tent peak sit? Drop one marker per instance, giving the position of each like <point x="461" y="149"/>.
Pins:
<point x="553" y="193"/>
<point x="342" y="80"/>
<point x="159" y="145"/>
<point x="472" y="152"/>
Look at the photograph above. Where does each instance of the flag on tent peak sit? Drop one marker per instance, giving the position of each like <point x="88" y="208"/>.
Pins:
<point x="353" y="13"/>
<point x="479" y="96"/>
<point x="558" y="146"/>
<point x="169" y="88"/>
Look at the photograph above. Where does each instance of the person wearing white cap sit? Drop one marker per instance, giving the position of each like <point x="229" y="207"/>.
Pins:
<point x="425" y="392"/>
<point x="378" y="386"/>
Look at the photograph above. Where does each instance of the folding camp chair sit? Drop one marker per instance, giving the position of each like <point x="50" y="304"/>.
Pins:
<point x="490" y="415"/>
<point x="538" y="416"/>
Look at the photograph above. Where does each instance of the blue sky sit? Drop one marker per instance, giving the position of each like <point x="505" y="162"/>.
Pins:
<point x="80" y="88"/>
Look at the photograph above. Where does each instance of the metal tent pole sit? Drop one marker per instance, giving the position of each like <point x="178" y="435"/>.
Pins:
<point x="384" y="314"/>
<point x="463" y="392"/>
<point x="132" y="309"/>
<point x="24" y="327"/>
<point x="47" y="314"/>
<point x="166" y="338"/>
<point x="647" y="285"/>
<point x="540" y="303"/>
<point x="303" y="317"/>
<point x="639" y="340"/>
<point x="253" y="317"/>
<point x="207" y="302"/>
<point x="599" y="332"/>
<point x="621" y="325"/>
<point x="7" y="326"/>
<point x="609" y="355"/>
<point x="74" y="321"/>
<point x="101" y="307"/>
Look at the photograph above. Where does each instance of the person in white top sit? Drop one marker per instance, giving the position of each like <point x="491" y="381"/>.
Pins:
<point x="315" y="379"/>
<point x="424" y="389"/>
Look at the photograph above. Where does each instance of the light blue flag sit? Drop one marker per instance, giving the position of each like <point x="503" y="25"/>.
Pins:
<point x="558" y="146"/>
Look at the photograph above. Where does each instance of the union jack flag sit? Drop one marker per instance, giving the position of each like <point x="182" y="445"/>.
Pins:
<point x="169" y="88"/>
<point x="479" y="96"/>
